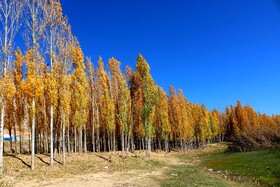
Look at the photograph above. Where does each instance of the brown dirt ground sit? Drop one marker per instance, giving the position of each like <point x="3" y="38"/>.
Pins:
<point x="91" y="170"/>
<point x="86" y="170"/>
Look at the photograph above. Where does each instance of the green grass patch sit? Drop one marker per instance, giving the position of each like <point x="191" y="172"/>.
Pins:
<point x="186" y="175"/>
<point x="262" y="166"/>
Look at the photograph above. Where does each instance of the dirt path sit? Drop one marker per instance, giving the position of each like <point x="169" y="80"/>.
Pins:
<point x="89" y="170"/>
<point x="137" y="172"/>
<point x="130" y="178"/>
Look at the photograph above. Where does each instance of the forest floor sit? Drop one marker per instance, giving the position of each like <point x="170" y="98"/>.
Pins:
<point x="191" y="168"/>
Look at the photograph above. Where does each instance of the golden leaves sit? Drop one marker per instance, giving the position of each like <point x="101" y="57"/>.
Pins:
<point x="34" y="85"/>
<point x="79" y="86"/>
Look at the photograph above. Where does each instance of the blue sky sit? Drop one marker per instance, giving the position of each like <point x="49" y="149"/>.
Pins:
<point x="217" y="51"/>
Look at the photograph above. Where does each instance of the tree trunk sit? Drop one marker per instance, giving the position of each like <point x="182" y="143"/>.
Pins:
<point x="33" y="136"/>
<point x="51" y="136"/>
<point x="80" y="139"/>
<point x="114" y="140"/>
<point x="21" y="140"/>
<point x="15" y="132"/>
<point x="104" y="142"/>
<point x="109" y="141"/>
<point x="2" y="137"/>
<point x="55" y="140"/>
<point x="159" y="145"/>
<point x="148" y="140"/>
<point x="132" y="143"/>
<point x="11" y="141"/>
<point x="85" y="138"/>
<point x="60" y="140"/>
<point x="68" y="139"/>
<point x="75" y="139"/>
<point x="166" y="147"/>
<point x="127" y="145"/>
<point x="92" y="125"/>
<point x="46" y="142"/>
<point x="63" y="144"/>
<point x="97" y="129"/>
<point x="123" y="143"/>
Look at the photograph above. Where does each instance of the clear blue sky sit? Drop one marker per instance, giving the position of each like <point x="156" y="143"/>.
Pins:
<point x="217" y="51"/>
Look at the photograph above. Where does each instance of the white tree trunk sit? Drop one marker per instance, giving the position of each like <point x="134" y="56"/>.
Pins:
<point x="51" y="136"/>
<point x="148" y="146"/>
<point x="85" y="139"/>
<point x="80" y="138"/>
<point x="93" y="137"/>
<point x="2" y="137"/>
<point x="33" y="136"/>
<point x="63" y="144"/>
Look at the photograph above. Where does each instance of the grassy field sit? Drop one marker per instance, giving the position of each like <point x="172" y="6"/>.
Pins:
<point x="215" y="166"/>
<point x="260" y="166"/>
<point x="211" y="166"/>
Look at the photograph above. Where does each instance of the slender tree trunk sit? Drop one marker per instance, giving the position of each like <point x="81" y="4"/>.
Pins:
<point x="109" y="142"/>
<point x="166" y="147"/>
<point x="92" y="125"/>
<point x="159" y="145"/>
<point x="15" y="122"/>
<point x="127" y="145"/>
<point x="63" y="144"/>
<point x="2" y="137"/>
<point x="75" y="139"/>
<point x="33" y="135"/>
<point x="55" y="141"/>
<point x="104" y="142"/>
<point x="60" y="140"/>
<point x="148" y="139"/>
<point x="68" y="139"/>
<point x="21" y="140"/>
<point x="51" y="136"/>
<point x="97" y="129"/>
<point x="85" y="138"/>
<point x="36" y="137"/>
<point x="132" y="143"/>
<point x="11" y="141"/>
<point x="123" y="143"/>
<point x="114" y="140"/>
<point x="80" y="138"/>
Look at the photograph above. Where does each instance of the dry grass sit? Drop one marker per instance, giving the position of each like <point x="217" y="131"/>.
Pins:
<point x="176" y="169"/>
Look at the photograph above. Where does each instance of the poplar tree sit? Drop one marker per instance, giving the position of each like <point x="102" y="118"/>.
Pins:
<point x="162" y="119"/>
<point x="92" y="101"/>
<point x="214" y="123"/>
<point x="173" y="113"/>
<point x="79" y="95"/>
<point x="148" y="91"/>
<point x="52" y="32"/>
<point x="33" y="89"/>
<point x="10" y="12"/>
<point x="19" y="96"/>
<point x="108" y="108"/>
<point x="121" y="97"/>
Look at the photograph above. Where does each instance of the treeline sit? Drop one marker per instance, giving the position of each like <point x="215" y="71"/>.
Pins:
<point x="248" y="130"/>
<point x="51" y="92"/>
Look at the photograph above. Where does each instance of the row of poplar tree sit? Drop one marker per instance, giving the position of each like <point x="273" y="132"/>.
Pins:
<point x="59" y="102"/>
